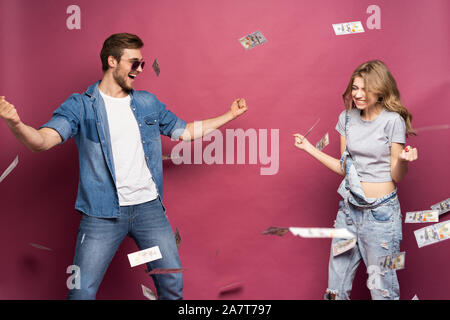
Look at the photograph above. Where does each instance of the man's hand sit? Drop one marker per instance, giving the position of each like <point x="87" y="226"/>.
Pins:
<point x="238" y="107"/>
<point x="8" y="112"/>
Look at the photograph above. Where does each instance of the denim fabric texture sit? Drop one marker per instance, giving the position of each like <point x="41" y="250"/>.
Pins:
<point x="99" y="238"/>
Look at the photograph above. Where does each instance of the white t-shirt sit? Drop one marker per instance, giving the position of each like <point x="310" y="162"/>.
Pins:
<point x="133" y="177"/>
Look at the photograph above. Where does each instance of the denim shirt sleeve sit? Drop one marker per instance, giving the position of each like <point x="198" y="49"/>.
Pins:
<point x="65" y="120"/>
<point x="169" y="124"/>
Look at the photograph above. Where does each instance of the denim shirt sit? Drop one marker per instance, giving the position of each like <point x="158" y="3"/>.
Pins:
<point x="83" y="117"/>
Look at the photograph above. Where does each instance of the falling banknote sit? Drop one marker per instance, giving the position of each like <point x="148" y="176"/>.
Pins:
<point x="422" y="216"/>
<point x="442" y="207"/>
<point x="155" y="67"/>
<point x="276" y="231"/>
<point x="348" y="28"/>
<point x="343" y="246"/>
<point x="38" y="246"/>
<point x="252" y="40"/>
<point x="148" y="293"/>
<point x="394" y="262"/>
<point x="323" y="142"/>
<point x="166" y="271"/>
<point x="322" y="232"/>
<point x="10" y="168"/>
<point x="144" y="256"/>
<point x="433" y="234"/>
<point x="177" y="238"/>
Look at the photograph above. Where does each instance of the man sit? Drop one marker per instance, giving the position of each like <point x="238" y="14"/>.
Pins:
<point x="117" y="133"/>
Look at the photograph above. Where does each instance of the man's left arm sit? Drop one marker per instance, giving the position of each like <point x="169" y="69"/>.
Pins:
<point x="198" y="129"/>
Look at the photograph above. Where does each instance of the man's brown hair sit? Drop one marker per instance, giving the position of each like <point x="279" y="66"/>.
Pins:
<point x="115" y="44"/>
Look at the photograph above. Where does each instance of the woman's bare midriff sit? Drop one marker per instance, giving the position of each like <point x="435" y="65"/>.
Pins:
<point x="377" y="189"/>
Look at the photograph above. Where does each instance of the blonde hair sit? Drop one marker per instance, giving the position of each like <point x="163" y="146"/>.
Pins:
<point x="379" y="80"/>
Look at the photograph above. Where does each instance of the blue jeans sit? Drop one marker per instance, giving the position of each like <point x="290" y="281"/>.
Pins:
<point x="99" y="238"/>
<point x="377" y="225"/>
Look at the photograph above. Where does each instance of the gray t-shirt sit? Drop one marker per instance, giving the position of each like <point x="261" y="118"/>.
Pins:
<point x="369" y="142"/>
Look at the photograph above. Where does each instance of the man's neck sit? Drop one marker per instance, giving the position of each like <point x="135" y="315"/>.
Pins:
<point x="110" y="87"/>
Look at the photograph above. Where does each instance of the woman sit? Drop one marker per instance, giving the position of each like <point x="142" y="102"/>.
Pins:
<point x="373" y="129"/>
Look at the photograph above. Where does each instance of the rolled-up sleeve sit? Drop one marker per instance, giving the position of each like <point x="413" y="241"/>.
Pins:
<point x="169" y="124"/>
<point x="66" y="119"/>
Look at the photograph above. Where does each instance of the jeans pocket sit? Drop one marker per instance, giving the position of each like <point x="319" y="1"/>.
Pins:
<point x="384" y="212"/>
<point x="152" y="123"/>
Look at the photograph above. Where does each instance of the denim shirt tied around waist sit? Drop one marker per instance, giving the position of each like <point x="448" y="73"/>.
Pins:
<point x="83" y="117"/>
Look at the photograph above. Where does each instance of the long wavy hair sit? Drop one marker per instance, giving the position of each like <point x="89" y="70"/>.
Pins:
<point x="379" y="80"/>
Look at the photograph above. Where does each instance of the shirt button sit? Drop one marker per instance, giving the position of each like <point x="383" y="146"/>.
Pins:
<point x="140" y="124"/>
<point x="143" y="141"/>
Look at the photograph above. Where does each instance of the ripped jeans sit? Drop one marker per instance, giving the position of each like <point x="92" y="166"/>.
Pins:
<point x="377" y="225"/>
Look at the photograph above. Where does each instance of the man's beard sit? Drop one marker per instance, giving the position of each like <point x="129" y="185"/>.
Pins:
<point x="121" y="81"/>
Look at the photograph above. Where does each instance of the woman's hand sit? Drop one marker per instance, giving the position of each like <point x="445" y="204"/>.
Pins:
<point x="408" y="154"/>
<point x="302" y="143"/>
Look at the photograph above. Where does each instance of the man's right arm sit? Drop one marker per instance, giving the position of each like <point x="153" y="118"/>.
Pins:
<point x="35" y="140"/>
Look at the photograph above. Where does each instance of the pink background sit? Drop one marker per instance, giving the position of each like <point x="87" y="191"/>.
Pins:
<point x="289" y="82"/>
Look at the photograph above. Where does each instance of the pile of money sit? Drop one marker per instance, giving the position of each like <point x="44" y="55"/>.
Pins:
<point x="394" y="262"/>
<point x="433" y="234"/>
<point x="252" y="40"/>
<point x="348" y="28"/>
<point x="10" y="168"/>
<point x="442" y="207"/>
<point x="148" y="293"/>
<point x="276" y="231"/>
<point x="323" y="142"/>
<point x="422" y="216"/>
<point x="144" y="256"/>
<point x="322" y="232"/>
<point x="343" y="246"/>
<point x="155" y="67"/>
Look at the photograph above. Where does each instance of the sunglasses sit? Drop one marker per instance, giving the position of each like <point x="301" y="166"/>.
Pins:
<point x="136" y="65"/>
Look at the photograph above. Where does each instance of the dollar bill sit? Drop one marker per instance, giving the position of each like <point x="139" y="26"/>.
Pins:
<point x="276" y="231"/>
<point x="252" y="40"/>
<point x="38" y="246"/>
<point x="177" y="238"/>
<point x="10" y="168"/>
<point x="155" y="67"/>
<point x="442" y="207"/>
<point x="144" y="256"/>
<point x="422" y="216"/>
<point x="231" y="287"/>
<point x="166" y="270"/>
<point x="322" y="232"/>
<point x="394" y="262"/>
<point x="343" y="246"/>
<point x="148" y="293"/>
<point x="170" y="157"/>
<point x="348" y="28"/>
<point x="432" y="234"/>
<point x="323" y="142"/>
